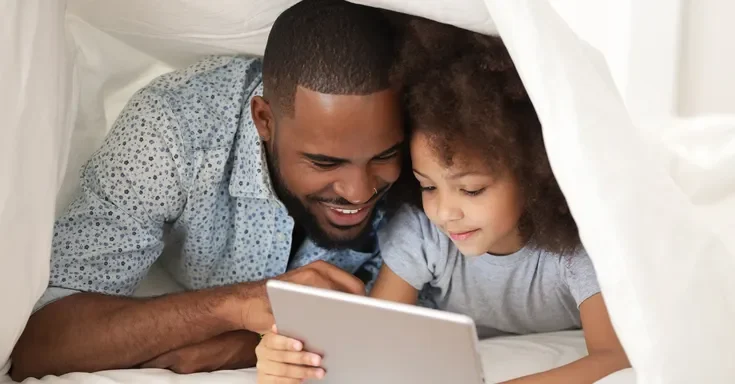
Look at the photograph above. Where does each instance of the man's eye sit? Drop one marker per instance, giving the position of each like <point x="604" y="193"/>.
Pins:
<point x="324" y="165"/>
<point x="387" y="156"/>
<point x="427" y="189"/>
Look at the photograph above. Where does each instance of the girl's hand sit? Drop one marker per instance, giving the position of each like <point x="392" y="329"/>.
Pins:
<point x="282" y="360"/>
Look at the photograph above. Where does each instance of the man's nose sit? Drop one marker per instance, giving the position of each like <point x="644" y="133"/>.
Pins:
<point x="356" y="186"/>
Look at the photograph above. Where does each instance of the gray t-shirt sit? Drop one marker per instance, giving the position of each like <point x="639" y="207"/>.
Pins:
<point x="530" y="291"/>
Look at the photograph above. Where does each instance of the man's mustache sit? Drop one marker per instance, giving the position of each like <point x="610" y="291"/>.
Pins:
<point x="339" y="201"/>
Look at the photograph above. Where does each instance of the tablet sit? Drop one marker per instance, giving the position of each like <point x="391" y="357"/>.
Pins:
<point x="370" y="341"/>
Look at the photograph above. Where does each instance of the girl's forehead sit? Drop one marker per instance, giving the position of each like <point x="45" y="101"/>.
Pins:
<point x="463" y="167"/>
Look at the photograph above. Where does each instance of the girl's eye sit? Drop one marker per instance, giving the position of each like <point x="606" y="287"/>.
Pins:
<point x="427" y="189"/>
<point x="475" y="192"/>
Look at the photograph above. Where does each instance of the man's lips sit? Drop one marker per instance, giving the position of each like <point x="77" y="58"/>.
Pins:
<point x="347" y="216"/>
<point x="353" y="214"/>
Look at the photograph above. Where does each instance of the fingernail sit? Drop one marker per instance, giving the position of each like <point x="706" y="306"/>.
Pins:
<point x="315" y="360"/>
<point x="319" y="374"/>
<point x="297" y="346"/>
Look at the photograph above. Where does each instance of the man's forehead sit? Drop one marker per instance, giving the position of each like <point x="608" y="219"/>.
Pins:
<point x="307" y="101"/>
<point x="343" y="125"/>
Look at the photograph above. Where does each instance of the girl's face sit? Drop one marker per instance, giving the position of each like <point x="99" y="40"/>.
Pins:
<point x="479" y="211"/>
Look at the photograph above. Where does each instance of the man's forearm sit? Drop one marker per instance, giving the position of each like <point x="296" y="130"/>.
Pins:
<point x="91" y="332"/>
<point x="231" y="350"/>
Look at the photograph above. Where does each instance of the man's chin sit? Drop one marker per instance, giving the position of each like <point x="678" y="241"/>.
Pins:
<point x="335" y="237"/>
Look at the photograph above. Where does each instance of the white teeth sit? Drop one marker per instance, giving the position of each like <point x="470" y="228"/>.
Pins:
<point x="347" y="211"/>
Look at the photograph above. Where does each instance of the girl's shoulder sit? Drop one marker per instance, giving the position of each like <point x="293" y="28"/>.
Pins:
<point x="410" y="222"/>
<point x="576" y="271"/>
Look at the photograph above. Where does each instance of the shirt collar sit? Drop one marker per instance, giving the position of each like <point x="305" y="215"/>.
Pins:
<point x="250" y="176"/>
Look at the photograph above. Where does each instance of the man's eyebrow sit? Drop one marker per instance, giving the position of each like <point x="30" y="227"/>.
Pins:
<point x="336" y="160"/>
<point x="323" y="158"/>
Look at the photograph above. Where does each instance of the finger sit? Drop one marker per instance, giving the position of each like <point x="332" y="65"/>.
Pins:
<point x="269" y="379"/>
<point x="290" y="357"/>
<point x="274" y="329"/>
<point x="272" y="368"/>
<point x="281" y="343"/>
<point x="342" y="280"/>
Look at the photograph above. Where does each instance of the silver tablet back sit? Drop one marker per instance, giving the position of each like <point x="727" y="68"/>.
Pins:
<point x="369" y="341"/>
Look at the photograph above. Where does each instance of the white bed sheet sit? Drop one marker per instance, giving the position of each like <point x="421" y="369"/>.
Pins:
<point x="502" y="358"/>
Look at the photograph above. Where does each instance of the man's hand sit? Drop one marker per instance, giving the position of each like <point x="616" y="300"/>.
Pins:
<point x="258" y="316"/>
<point x="321" y="274"/>
<point x="231" y="350"/>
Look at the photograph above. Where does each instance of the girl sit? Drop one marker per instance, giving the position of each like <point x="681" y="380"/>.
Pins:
<point x="495" y="239"/>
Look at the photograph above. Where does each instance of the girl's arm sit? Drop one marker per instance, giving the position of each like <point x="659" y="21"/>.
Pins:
<point x="389" y="286"/>
<point x="605" y="357"/>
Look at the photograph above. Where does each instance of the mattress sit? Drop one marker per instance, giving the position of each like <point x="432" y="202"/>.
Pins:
<point x="503" y="358"/>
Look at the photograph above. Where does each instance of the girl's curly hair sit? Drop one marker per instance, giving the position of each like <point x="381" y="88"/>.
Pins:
<point x="462" y="90"/>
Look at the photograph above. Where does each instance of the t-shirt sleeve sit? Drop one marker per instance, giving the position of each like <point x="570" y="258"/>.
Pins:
<point x="580" y="276"/>
<point x="413" y="248"/>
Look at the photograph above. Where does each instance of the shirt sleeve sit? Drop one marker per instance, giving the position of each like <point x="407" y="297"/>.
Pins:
<point x="413" y="248"/>
<point x="580" y="276"/>
<point x="111" y="234"/>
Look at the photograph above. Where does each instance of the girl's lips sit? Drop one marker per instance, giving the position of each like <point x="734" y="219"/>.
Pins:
<point x="461" y="236"/>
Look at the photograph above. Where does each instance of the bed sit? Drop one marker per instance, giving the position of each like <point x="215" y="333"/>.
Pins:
<point x="638" y="122"/>
<point x="503" y="358"/>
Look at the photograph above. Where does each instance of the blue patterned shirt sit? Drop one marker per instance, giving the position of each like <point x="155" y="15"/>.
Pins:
<point x="183" y="166"/>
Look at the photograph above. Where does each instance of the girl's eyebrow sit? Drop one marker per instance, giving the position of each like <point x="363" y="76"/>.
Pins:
<point x="459" y="175"/>
<point x="420" y="174"/>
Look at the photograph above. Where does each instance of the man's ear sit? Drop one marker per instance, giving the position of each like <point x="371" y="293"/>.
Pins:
<point x="263" y="117"/>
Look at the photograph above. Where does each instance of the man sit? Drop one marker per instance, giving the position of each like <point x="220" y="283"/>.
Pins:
<point x="250" y="173"/>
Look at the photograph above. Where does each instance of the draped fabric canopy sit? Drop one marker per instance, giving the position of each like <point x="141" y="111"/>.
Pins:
<point x="639" y="126"/>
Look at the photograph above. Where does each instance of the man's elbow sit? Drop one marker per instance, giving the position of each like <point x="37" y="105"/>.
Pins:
<point x="30" y="356"/>
<point x="26" y="363"/>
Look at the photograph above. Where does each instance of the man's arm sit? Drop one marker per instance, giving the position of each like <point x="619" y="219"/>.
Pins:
<point x="231" y="350"/>
<point x="91" y="332"/>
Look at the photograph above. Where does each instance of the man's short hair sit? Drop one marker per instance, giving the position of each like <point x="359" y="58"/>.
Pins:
<point x="328" y="46"/>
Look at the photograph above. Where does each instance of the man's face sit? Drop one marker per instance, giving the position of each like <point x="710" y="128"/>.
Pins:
<point x="333" y="159"/>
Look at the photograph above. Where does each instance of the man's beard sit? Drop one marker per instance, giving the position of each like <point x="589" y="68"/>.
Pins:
<point x="308" y="221"/>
